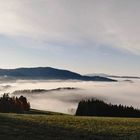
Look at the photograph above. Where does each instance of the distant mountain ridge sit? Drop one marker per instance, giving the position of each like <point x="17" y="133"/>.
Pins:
<point x="48" y="73"/>
<point x="30" y="91"/>
<point x="112" y="76"/>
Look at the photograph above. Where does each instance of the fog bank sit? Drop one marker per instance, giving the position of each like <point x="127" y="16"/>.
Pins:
<point x="66" y="100"/>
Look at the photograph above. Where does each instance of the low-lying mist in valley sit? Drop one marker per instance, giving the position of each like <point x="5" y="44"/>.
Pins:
<point x="63" y="96"/>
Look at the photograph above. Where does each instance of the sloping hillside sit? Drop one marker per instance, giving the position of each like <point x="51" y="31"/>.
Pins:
<point x="48" y="73"/>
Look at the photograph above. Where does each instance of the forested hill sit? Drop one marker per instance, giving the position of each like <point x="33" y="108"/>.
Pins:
<point x="48" y="73"/>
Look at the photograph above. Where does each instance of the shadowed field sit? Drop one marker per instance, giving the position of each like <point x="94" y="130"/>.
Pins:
<point x="50" y="126"/>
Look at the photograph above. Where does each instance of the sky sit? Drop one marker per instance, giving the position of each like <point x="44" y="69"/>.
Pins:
<point x="85" y="36"/>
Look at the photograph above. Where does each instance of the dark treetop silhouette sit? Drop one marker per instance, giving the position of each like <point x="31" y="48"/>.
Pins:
<point x="96" y="107"/>
<point x="13" y="104"/>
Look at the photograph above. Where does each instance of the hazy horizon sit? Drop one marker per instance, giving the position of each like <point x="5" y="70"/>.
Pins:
<point x="65" y="100"/>
<point x="84" y="36"/>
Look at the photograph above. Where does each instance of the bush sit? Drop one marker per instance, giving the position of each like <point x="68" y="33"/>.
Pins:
<point x="13" y="104"/>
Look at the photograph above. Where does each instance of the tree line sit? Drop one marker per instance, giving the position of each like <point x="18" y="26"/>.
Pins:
<point x="13" y="104"/>
<point x="96" y="107"/>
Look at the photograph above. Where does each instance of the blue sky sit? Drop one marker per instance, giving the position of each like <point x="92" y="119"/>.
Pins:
<point x="85" y="36"/>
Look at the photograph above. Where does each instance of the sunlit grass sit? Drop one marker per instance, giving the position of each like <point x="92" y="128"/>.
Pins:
<point x="58" y="126"/>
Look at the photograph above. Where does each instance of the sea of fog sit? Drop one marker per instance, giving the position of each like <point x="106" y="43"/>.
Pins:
<point x="126" y="92"/>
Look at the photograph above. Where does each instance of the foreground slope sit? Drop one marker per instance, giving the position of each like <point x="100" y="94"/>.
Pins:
<point x="51" y="126"/>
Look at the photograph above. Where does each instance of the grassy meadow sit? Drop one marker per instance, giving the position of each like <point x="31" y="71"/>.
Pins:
<point x="39" y="125"/>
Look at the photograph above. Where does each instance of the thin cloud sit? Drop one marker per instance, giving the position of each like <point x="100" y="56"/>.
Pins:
<point x="113" y="23"/>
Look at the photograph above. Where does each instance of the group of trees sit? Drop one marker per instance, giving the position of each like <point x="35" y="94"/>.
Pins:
<point x="96" y="107"/>
<point x="14" y="104"/>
